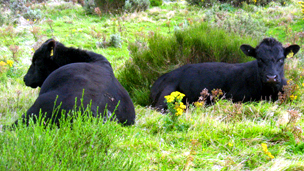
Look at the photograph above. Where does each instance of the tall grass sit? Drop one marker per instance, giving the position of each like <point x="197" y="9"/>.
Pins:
<point x="161" y="54"/>
<point x="84" y="145"/>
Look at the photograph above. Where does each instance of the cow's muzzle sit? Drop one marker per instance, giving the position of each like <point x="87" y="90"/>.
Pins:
<point x="272" y="79"/>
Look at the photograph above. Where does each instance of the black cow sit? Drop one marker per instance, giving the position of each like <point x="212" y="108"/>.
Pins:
<point x="66" y="73"/>
<point x="262" y="78"/>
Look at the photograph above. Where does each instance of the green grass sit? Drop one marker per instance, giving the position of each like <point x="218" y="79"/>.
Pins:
<point x="224" y="136"/>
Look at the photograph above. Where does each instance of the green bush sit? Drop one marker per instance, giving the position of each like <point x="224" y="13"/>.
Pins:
<point x="156" y="2"/>
<point x="161" y="54"/>
<point x="2" y="19"/>
<point x="241" y="23"/>
<point x="136" y="5"/>
<point x="105" y="6"/>
<point x="115" y="6"/>
<point x="33" y="14"/>
<point x="236" y="3"/>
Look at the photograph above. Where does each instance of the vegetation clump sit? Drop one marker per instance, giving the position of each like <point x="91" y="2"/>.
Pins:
<point x="236" y="3"/>
<point x="161" y="54"/>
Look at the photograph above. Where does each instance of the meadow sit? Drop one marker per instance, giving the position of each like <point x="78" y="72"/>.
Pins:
<point x="224" y="136"/>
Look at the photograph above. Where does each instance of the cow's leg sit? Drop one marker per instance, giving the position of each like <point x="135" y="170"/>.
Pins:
<point x="45" y="104"/>
<point x="160" y="104"/>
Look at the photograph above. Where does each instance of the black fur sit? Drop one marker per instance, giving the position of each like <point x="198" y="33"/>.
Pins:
<point x="260" y="79"/>
<point x="66" y="73"/>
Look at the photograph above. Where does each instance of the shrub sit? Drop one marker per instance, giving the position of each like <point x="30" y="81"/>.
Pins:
<point x="105" y="6"/>
<point x="115" y="6"/>
<point x="156" y="2"/>
<point x="88" y="6"/>
<point x="22" y="7"/>
<point x="236" y="3"/>
<point x="136" y="5"/>
<point x="161" y="54"/>
<point x="32" y="14"/>
<point x="115" y="40"/>
<point x="242" y="24"/>
<point x="18" y="6"/>
<point x="2" y="19"/>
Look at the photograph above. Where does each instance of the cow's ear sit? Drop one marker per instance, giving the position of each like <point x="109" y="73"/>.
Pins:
<point x="291" y="50"/>
<point x="51" y="44"/>
<point x="248" y="50"/>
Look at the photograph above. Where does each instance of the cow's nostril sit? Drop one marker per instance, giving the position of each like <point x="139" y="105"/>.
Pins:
<point x="272" y="78"/>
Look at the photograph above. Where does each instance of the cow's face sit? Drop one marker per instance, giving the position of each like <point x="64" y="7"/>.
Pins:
<point x="270" y="55"/>
<point x="42" y="65"/>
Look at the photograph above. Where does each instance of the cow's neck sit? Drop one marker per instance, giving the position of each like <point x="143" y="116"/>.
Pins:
<point x="64" y="55"/>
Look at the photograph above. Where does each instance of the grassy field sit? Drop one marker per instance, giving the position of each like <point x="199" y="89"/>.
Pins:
<point x="225" y="136"/>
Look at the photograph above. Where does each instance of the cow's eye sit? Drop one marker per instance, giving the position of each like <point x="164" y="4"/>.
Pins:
<point x="281" y="60"/>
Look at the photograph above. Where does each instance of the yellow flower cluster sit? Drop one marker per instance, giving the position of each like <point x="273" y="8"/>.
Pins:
<point x="178" y="96"/>
<point x="265" y="149"/>
<point x="175" y="104"/>
<point x="293" y="97"/>
<point x="179" y="107"/>
<point x="2" y="63"/>
<point x="198" y="104"/>
<point x="8" y="62"/>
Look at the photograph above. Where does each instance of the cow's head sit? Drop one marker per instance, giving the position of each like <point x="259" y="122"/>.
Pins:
<point x="270" y="55"/>
<point x="42" y="64"/>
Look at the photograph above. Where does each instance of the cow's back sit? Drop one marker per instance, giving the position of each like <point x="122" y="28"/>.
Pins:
<point x="93" y="84"/>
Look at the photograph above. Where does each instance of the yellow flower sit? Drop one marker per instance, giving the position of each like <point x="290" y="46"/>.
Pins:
<point x="10" y="62"/>
<point x="169" y="98"/>
<point x="179" y="108"/>
<point x="198" y="104"/>
<point x="181" y="105"/>
<point x="179" y="112"/>
<point x="230" y="144"/>
<point x="293" y="97"/>
<point x="264" y="147"/>
<point x="270" y="155"/>
<point x="303" y="84"/>
<point x="2" y="63"/>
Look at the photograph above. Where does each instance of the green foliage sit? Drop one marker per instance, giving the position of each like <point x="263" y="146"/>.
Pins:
<point x="115" y="40"/>
<point x="236" y="3"/>
<point x="18" y="6"/>
<point x="156" y="2"/>
<point x="2" y="18"/>
<point x="136" y="5"/>
<point x="224" y="136"/>
<point x="241" y="23"/>
<point x="89" y="6"/>
<point x="84" y="146"/>
<point x="161" y="54"/>
<point x="110" y="6"/>
<point x="33" y="14"/>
